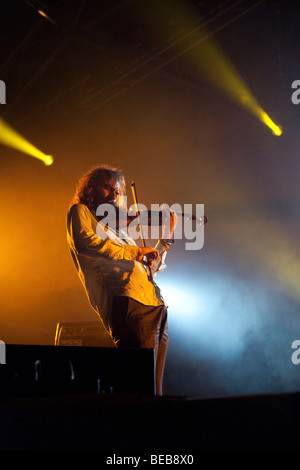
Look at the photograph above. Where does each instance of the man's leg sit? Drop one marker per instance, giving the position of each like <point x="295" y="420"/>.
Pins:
<point x="139" y="326"/>
<point x="161" y="351"/>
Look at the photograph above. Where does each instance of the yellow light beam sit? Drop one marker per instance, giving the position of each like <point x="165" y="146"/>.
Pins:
<point x="216" y="67"/>
<point x="206" y="55"/>
<point x="11" y="138"/>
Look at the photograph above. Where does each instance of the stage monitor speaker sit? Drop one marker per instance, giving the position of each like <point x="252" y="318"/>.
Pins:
<point x="33" y="369"/>
<point x="91" y="334"/>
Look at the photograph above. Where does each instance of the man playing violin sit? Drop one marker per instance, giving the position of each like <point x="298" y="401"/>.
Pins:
<point x="115" y="271"/>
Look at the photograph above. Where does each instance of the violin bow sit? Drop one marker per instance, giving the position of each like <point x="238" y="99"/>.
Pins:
<point x="134" y="194"/>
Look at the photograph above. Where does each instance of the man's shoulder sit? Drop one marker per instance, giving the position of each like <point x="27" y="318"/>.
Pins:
<point x="79" y="209"/>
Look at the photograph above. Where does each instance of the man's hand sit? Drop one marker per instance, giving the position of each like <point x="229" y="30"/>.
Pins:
<point x="149" y="253"/>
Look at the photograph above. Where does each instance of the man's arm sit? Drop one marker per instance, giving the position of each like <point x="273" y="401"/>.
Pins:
<point x="86" y="241"/>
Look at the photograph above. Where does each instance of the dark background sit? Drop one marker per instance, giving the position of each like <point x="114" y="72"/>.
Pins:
<point x="122" y="82"/>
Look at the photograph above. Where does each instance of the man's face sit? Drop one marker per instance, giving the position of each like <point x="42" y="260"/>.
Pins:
<point x="108" y="191"/>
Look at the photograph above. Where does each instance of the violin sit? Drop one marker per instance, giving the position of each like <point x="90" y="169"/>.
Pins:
<point x="148" y="218"/>
<point x="149" y="214"/>
<point x="122" y="219"/>
<point x="155" y="218"/>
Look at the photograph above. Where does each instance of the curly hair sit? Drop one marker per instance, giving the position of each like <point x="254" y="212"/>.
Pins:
<point x="86" y="189"/>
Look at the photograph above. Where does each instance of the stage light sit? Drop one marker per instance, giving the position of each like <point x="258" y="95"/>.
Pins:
<point x="48" y="160"/>
<point x="44" y="15"/>
<point x="12" y="139"/>
<point x="206" y="55"/>
<point x="277" y="131"/>
<point x="268" y="121"/>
